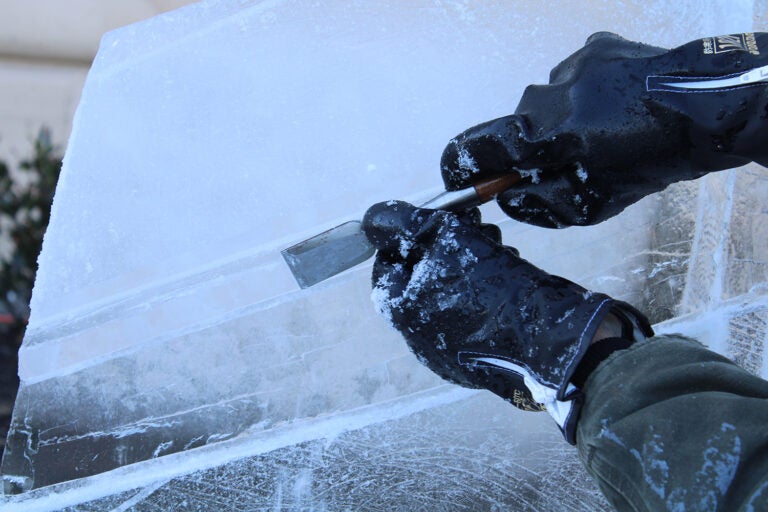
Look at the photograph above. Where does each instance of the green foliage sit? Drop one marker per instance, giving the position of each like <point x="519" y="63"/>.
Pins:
<point x="25" y="207"/>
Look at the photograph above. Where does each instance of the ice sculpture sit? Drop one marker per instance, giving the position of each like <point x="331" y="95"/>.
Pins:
<point x="170" y="357"/>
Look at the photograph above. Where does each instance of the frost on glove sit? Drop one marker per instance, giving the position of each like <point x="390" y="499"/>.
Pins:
<point x="480" y="316"/>
<point x="620" y="120"/>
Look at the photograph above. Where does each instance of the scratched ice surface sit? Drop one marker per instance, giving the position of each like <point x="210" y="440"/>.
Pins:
<point x="172" y="362"/>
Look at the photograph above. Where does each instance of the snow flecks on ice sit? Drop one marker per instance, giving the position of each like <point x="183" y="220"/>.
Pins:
<point x="663" y="266"/>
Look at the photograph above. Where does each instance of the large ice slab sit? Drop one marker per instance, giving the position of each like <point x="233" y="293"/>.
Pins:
<point x="167" y="330"/>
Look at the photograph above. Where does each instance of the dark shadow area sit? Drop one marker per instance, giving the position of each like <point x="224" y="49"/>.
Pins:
<point x="26" y="194"/>
<point x="10" y="339"/>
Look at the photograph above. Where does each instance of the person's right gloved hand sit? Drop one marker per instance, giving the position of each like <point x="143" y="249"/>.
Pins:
<point x="619" y="120"/>
<point x="480" y="316"/>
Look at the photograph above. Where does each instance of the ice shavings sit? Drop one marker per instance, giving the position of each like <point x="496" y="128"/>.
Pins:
<point x="565" y="316"/>
<point x="446" y="301"/>
<point x="606" y="433"/>
<point x="15" y="479"/>
<point x="447" y="242"/>
<point x="447" y="238"/>
<point x="581" y="173"/>
<point x="467" y="258"/>
<point x="721" y="460"/>
<point x="405" y="247"/>
<point x="381" y="299"/>
<point x="655" y="468"/>
<point x="425" y="271"/>
<point x="515" y="201"/>
<point x="467" y="164"/>
<point x="533" y="174"/>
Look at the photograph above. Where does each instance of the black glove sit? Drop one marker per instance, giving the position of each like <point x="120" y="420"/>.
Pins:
<point x="620" y="120"/>
<point x="478" y="315"/>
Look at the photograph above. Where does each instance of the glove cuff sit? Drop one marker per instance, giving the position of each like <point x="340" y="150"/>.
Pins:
<point x="564" y="402"/>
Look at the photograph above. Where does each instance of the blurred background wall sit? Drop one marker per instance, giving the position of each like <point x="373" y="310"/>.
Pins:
<point x="46" y="48"/>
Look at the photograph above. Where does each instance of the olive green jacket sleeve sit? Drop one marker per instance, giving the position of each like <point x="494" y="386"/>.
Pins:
<point x="670" y="425"/>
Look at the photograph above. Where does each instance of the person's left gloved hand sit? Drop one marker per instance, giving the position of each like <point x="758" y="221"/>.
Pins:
<point x="480" y="316"/>
<point x="617" y="121"/>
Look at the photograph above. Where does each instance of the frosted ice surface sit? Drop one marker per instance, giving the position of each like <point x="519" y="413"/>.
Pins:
<point x="170" y="356"/>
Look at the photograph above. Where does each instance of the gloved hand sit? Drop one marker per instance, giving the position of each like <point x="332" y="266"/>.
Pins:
<point x="478" y="315"/>
<point x="620" y="120"/>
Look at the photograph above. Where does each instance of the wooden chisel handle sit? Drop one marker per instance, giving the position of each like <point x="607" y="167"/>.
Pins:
<point x="487" y="190"/>
<point x="476" y="195"/>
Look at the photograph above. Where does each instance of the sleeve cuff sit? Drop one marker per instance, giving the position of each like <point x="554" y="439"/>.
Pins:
<point x="596" y="354"/>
